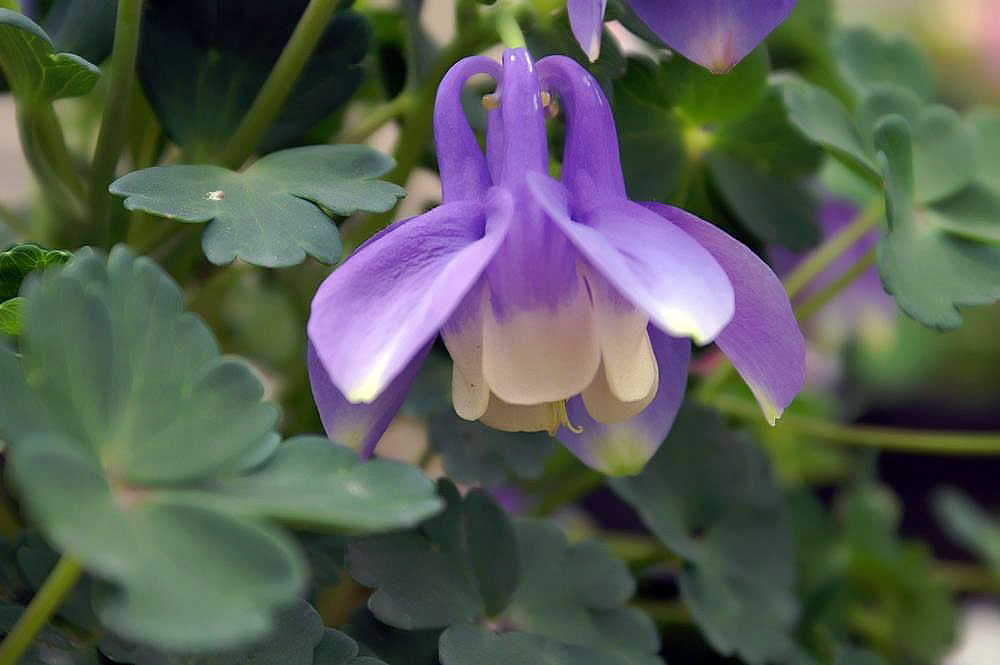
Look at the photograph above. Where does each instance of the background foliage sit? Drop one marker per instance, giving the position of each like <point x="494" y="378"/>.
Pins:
<point x="201" y="165"/>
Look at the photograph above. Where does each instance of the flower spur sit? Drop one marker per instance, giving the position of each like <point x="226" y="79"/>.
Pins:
<point x="565" y="307"/>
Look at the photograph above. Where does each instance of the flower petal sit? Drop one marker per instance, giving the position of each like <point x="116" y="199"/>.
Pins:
<point x="602" y="401"/>
<point x="624" y="448"/>
<point x="716" y="34"/>
<point x="375" y="312"/>
<point x="463" y="336"/>
<point x="763" y="340"/>
<point x="537" y="355"/>
<point x="518" y="418"/>
<point x="517" y="128"/>
<point x="657" y="266"/>
<point x="586" y="18"/>
<point x="592" y="165"/>
<point x="359" y="426"/>
<point x="461" y="161"/>
<point x="629" y="368"/>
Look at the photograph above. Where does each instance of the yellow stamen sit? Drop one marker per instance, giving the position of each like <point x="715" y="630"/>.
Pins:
<point x="491" y="102"/>
<point x="560" y="417"/>
<point x="550" y="104"/>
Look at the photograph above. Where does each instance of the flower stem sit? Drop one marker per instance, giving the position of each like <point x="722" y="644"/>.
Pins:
<point x="114" y="121"/>
<point x="378" y="117"/>
<point x="53" y="144"/>
<point x="59" y="583"/>
<point x="509" y="29"/>
<point x="570" y="489"/>
<point x="665" y="613"/>
<point x="823" y="257"/>
<point x="932" y="442"/>
<point x="814" y="264"/>
<point x="279" y="83"/>
<point x="418" y="123"/>
<point x="963" y="577"/>
<point x="65" y="196"/>
<point x="828" y="293"/>
<point x="14" y="221"/>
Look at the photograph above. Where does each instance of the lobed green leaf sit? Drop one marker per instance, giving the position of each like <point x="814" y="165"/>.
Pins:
<point x="274" y="213"/>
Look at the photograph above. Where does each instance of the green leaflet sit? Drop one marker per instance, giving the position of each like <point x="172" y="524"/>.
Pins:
<point x="272" y="214"/>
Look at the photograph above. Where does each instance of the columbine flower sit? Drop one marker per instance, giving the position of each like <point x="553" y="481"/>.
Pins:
<point x="566" y="307"/>
<point x="716" y="34"/>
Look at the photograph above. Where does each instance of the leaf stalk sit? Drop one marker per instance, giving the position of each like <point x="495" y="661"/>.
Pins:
<point x="57" y="585"/>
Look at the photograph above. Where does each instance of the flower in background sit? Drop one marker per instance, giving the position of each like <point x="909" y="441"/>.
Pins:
<point x="863" y="309"/>
<point x="716" y="34"/>
<point x="565" y="307"/>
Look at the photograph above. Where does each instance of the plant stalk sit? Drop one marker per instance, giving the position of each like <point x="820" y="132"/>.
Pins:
<point x="279" y="83"/>
<point x="418" y="122"/>
<point x="60" y="582"/>
<point x="114" y="121"/>
<point x="377" y="117"/>
<point x="930" y="442"/>
<point x="65" y="197"/>
<point x="828" y="293"/>
<point x="53" y="144"/>
<point x="814" y="264"/>
<point x="824" y="256"/>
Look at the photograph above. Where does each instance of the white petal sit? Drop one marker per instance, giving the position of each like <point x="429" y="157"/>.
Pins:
<point x="517" y="418"/>
<point x="463" y="336"/>
<point x="625" y="350"/>
<point x="606" y="407"/>
<point x="541" y="355"/>
<point x="471" y="397"/>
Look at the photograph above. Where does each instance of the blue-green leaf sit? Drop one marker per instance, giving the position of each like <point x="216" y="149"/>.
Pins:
<point x="930" y="269"/>
<point x="709" y="496"/>
<point x="460" y="566"/>
<point x="35" y="72"/>
<point x="298" y="638"/>
<point x="865" y="58"/>
<point x="969" y="525"/>
<point x="272" y="214"/>
<point x="134" y="445"/>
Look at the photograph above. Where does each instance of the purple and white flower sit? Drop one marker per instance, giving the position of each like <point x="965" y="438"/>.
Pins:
<point x="565" y="306"/>
<point x="716" y="34"/>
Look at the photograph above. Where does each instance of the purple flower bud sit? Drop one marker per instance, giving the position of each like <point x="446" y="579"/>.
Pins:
<point x="716" y="34"/>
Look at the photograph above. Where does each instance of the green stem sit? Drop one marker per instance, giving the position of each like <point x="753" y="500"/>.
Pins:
<point x="53" y="144"/>
<point x="59" y="194"/>
<point x="377" y="117"/>
<point x="831" y="250"/>
<point x="14" y="222"/>
<point x="10" y="525"/>
<point x="279" y="83"/>
<point x="966" y="578"/>
<point x="665" y="612"/>
<point x="148" y="150"/>
<point x="828" y="293"/>
<point x="579" y="485"/>
<point x="59" y="583"/>
<point x="814" y="264"/>
<point x="156" y="234"/>
<point x="418" y="123"/>
<point x="933" y="442"/>
<point x="639" y="550"/>
<point x="114" y="121"/>
<point x="509" y="29"/>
